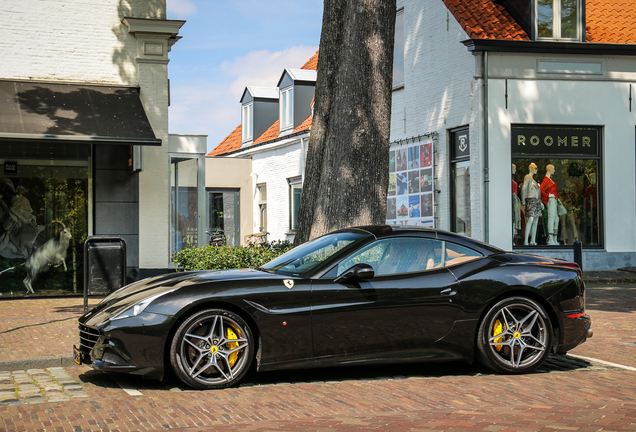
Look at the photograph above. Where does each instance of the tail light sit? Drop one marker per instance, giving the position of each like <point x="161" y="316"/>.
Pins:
<point x="567" y="264"/>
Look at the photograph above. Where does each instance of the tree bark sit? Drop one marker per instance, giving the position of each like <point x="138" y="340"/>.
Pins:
<point x="347" y="170"/>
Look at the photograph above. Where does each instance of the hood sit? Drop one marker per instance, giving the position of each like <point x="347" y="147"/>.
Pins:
<point x="137" y="291"/>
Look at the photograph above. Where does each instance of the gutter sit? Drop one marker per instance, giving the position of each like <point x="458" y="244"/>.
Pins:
<point x="587" y="48"/>
<point x="485" y="150"/>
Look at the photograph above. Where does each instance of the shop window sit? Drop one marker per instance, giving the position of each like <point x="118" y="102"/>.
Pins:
<point x="37" y="199"/>
<point x="295" y="194"/>
<point x="558" y="19"/>
<point x="460" y="182"/>
<point x="556" y="186"/>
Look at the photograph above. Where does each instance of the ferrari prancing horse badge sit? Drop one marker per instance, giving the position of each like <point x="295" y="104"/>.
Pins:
<point x="289" y="283"/>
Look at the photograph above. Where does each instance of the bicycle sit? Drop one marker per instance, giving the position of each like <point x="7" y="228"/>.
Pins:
<point x="217" y="238"/>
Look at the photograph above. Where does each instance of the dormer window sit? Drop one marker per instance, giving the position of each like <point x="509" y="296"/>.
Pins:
<point x="286" y="108"/>
<point x="558" y="19"/>
<point x="247" y="122"/>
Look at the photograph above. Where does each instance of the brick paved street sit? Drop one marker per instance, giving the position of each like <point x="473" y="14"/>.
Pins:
<point x="568" y="394"/>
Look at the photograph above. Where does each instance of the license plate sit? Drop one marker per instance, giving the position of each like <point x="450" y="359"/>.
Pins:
<point x="77" y="356"/>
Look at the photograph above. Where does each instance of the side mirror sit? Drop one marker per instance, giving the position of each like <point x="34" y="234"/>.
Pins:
<point x="356" y="273"/>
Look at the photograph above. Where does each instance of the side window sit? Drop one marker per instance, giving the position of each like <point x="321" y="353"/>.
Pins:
<point x="456" y="254"/>
<point x="398" y="255"/>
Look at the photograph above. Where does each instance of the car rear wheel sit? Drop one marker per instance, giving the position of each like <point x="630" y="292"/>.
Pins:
<point x="515" y="336"/>
<point x="212" y="349"/>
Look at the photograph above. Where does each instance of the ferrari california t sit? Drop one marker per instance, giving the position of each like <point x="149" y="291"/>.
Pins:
<point x="379" y="294"/>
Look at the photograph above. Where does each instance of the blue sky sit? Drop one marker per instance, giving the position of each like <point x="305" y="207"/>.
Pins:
<point x="228" y="45"/>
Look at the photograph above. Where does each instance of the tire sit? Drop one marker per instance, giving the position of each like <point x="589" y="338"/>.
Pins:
<point x="212" y="349"/>
<point x="515" y="336"/>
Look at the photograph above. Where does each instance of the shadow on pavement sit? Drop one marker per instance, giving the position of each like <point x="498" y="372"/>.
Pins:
<point x="554" y="363"/>
<point x="611" y="298"/>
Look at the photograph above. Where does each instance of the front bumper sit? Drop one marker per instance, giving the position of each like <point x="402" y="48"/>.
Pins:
<point x="133" y="345"/>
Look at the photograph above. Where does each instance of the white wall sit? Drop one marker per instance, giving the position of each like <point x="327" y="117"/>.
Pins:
<point x="440" y="93"/>
<point x="81" y="41"/>
<point x="601" y="100"/>
<point x="76" y="40"/>
<point x="273" y="165"/>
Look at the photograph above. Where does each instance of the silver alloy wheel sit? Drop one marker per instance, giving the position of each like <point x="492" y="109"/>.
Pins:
<point x="518" y="335"/>
<point x="212" y="349"/>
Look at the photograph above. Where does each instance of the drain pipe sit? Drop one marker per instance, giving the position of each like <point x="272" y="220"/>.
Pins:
<point x="485" y="149"/>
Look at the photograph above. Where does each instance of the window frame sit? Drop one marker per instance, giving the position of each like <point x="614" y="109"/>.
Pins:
<point x="557" y="21"/>
<point x="247" y="122"/>
<point x="286" y="114"/>
<point x="261" y="189"/>
<point x="294" y="183"/>
<point x="598" y="157"/>
<point x="459" y="161"/>
<point x="401" y="46"/>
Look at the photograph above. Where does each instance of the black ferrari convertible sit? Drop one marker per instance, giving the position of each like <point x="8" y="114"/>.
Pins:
<point x="381" y="294"/>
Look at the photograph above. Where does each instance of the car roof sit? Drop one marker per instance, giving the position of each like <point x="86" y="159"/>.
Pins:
<point x="380" y="231"/>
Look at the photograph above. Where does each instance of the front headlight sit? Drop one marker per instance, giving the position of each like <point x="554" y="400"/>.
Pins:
<point x="138" y="307"/>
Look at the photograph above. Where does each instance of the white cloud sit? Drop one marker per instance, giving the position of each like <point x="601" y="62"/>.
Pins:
<point x="212" y="107"/>
<point x="181" y="8"/>
<point x="264" y="68"/>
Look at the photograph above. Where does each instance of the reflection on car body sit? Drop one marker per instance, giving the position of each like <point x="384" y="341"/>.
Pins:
<point x="379" y="294"/>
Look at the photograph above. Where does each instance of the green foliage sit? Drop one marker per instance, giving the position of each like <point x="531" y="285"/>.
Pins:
<point x="229" y="257"/>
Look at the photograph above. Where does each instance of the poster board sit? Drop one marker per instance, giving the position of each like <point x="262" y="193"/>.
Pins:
<point x="410" y="199"/>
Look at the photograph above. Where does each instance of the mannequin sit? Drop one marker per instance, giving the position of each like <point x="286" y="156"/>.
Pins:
<point x="516" y="207"/>
<point x="549" y="197"/>
<point x="531" y="196"/>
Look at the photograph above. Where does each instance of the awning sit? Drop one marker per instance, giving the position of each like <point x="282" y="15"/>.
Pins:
<point x="69" y="112"/>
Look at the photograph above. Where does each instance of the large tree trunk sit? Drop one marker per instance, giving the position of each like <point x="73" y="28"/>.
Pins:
<point x="347" y="172"/>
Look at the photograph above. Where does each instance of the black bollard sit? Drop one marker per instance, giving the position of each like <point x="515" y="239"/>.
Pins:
<point x="578" y="253"/>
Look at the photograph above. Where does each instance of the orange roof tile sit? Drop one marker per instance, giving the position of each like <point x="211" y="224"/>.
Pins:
<point x="611" y="21"/>
<point x="483" y="19"/>
<point x="272" y="132"/>
<point x="608" y="21"/>
<point x="304" y="125"/>
<point x="230" y="143"/>
<point x="233" y="141"/>
<point x="312" y="63"/>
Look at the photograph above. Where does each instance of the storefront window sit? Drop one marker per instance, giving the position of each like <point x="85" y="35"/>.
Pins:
<point x="38" y="200"/>
<point x="556" y="186"/>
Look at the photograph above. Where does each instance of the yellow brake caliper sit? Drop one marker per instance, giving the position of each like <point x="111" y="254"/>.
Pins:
<point x="498" y="328"/>
<point x="231" y="335"/>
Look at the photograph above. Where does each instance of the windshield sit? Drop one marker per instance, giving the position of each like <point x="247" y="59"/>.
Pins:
<point x="303" y="260"/>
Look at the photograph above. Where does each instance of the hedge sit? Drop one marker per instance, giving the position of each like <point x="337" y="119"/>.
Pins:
<point x="229" y="257"/>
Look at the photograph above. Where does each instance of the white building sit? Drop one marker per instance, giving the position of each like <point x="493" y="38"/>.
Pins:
<point x="480" y="86"/>
<point x="84" y="127"/>
<point x="524" y="82"/>
<point x="273" y="135"/>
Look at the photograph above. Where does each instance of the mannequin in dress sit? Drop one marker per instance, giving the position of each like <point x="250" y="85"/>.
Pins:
<point x="531" y="197"/>
<point x="516" y="206"/>
<point x="549" y="197"/>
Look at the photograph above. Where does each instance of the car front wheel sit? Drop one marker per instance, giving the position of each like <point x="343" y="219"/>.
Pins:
<point x="212" y="349"/>
<point x="515" y="336"/>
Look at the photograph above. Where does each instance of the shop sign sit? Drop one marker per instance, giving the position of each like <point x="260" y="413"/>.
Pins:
<point x="10" y="167"/>
<point x="555" y="140"/>
<point x="460" y="145"/>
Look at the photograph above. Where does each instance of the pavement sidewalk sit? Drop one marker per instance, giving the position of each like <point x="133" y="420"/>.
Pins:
<point x="39" y="332"/>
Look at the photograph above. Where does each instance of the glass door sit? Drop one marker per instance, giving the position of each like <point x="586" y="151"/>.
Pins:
<point x="223" y="208"/>
<point x="185" y="214"/>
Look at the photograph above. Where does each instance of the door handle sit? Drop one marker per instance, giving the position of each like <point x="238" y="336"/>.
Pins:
<point x="448" y="292"/>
